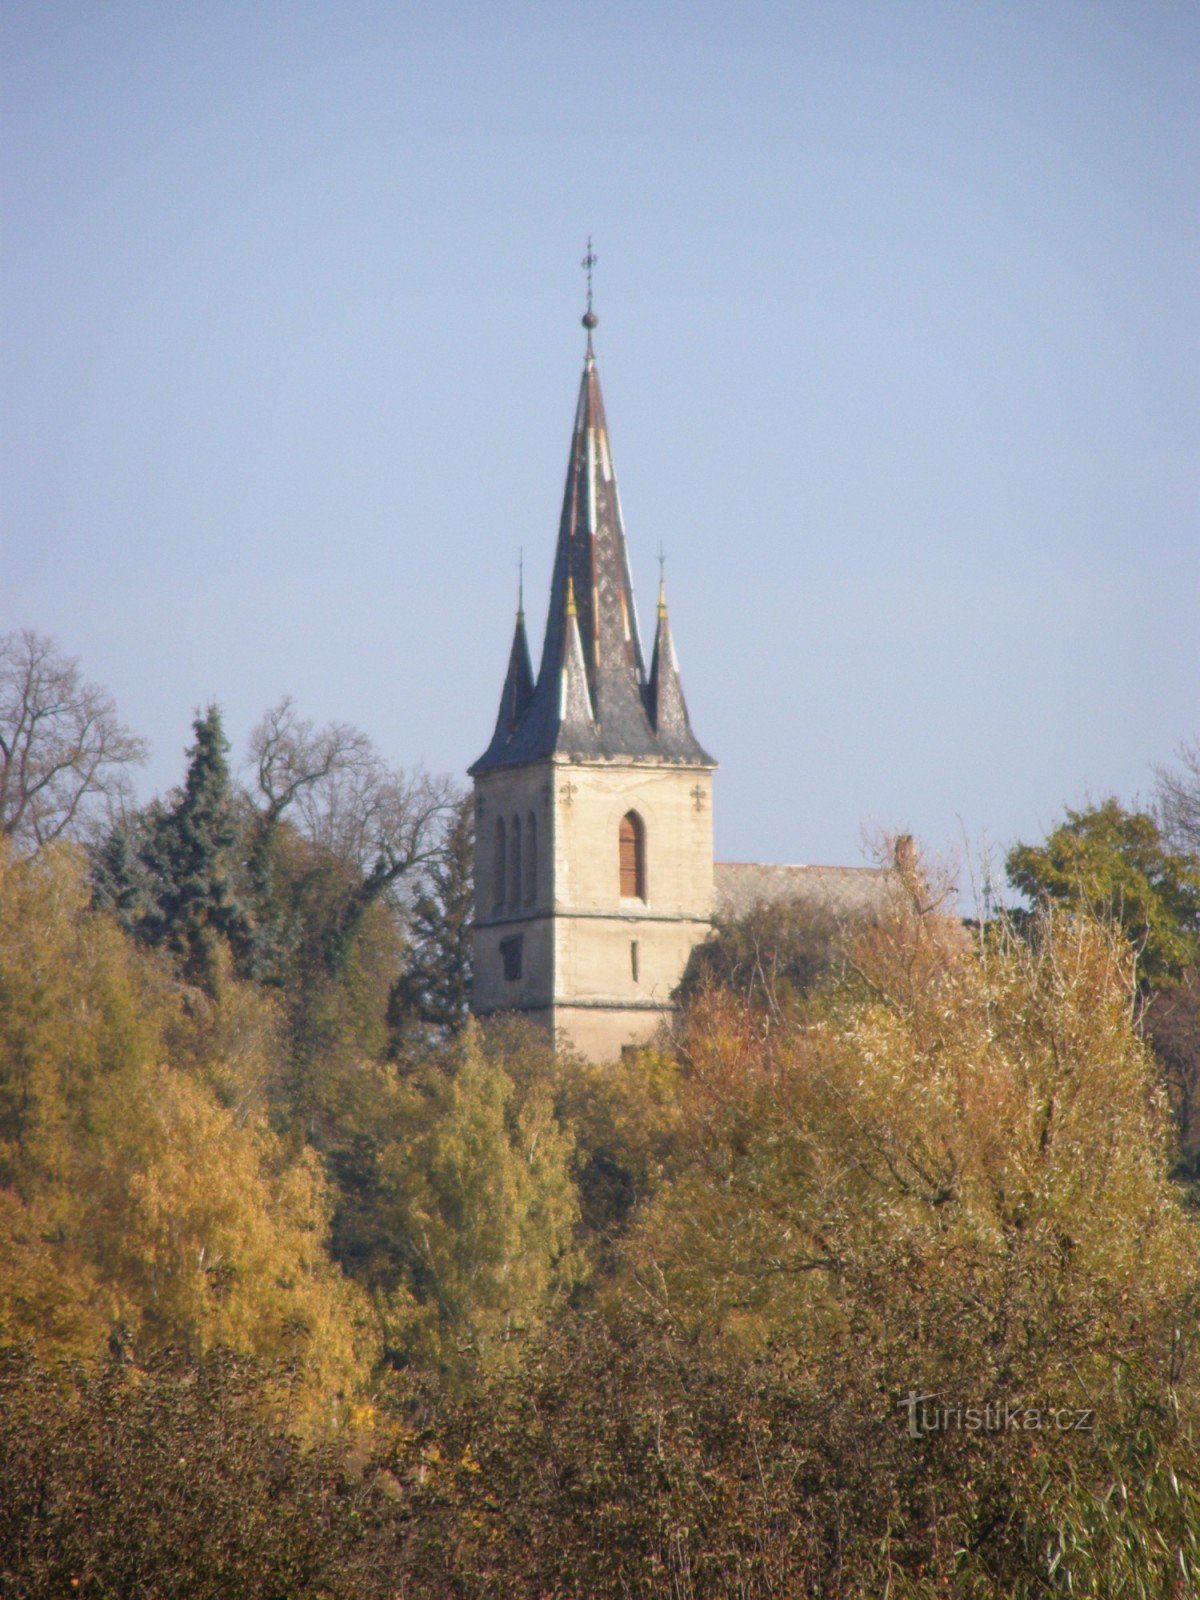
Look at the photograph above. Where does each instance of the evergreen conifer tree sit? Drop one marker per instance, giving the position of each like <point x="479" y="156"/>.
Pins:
<point x="121" y="881"/>
<point x="194" y="855"/>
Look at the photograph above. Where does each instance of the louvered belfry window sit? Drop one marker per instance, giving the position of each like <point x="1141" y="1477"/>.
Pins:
<point x="633" y="857"/>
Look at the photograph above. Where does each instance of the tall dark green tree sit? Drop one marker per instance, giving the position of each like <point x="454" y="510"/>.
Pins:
<point x="194" y="857"/>
<point x="430" y="999"/>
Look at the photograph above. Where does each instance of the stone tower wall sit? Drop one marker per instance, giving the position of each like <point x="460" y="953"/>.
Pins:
<point x="580" y="973"/>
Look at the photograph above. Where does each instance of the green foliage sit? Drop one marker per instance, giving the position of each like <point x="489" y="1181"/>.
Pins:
<point x="195" y="853"/>
<point x="627" y="1122"/>
<point x="430" y="998"/>
<point x="461" y="1217"/>
<point x="1115" y="865"/>
<point x="773" y="956"/>
<point x="122" y="884"/>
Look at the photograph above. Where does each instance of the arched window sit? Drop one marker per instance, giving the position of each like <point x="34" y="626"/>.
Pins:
<point x="531" y="860"/>
<point x="514" y="864"/>
<point x="633" y="857"/>
<point x="499" y="865"/>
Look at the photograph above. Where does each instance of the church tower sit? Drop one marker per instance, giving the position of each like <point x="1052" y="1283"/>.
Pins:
<point x="593" y="801"/>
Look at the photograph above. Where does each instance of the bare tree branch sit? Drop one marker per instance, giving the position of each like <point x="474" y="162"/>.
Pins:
<point x="1179" y="801"/>
<point x="342" y="797"/>
<point x="290" y="756"/>
<point x="63" y="751"/>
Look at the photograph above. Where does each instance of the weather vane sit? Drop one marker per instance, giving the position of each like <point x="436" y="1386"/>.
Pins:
<point x="590" y="318"/>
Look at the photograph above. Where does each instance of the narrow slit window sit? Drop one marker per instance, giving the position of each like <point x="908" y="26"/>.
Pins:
<point x="530" y="859"/>
<point x="499" y="865"/>
<point x="514" y="882"/>
<point x="634" y="961"/>
<point x="632" y="850"/>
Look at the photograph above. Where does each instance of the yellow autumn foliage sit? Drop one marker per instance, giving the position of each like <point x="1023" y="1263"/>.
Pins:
<point x="144" y="1196"/>
<point x="954" y="1172"/>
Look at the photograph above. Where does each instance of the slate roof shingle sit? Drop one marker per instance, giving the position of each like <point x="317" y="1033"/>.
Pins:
<point x="617" y="713"/>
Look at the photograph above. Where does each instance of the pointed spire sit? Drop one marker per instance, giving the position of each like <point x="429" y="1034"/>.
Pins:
<point x="664" y="693"/>
<point x="592" y="698"/>
<point x="518" y="683"/>
<point x="592" y="559"/>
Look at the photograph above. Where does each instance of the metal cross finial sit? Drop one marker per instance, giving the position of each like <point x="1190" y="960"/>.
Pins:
<point x="590" y="319"/>
<point x="521" y="581"/>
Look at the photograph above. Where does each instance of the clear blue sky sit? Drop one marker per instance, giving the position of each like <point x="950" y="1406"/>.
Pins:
<point x="900" y="343"/>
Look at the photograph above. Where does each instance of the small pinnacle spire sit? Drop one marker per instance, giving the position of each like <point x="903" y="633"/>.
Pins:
<point x="662" y="584"/>
<point x="590" y="319"/>
<point x="571" y="610"/>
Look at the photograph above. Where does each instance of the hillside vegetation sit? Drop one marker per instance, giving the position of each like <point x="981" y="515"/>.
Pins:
<point x="876" y="1278"/>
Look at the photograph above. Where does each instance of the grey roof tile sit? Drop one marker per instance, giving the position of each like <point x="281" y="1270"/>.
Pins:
<point x="740" y="886"/>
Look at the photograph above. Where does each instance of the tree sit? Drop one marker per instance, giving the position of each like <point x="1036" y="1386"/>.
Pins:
<point x="64" y="754"/>
<point x="1171" y="1020"/>
<point x="773" y="956"/>
<point x="463" y="1218"/>
<point x="945" y="1179"/>
<point x="1116" y="864"/>
<point x="195" y="859"/>
<point x="429" y="1001"/>
<point x="143" y="1187"/>
<point x="122" y="883"/>
<point x="1179" y="801"/>
<point x="369" y="827"/>
<point x="178" y="1478"/>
